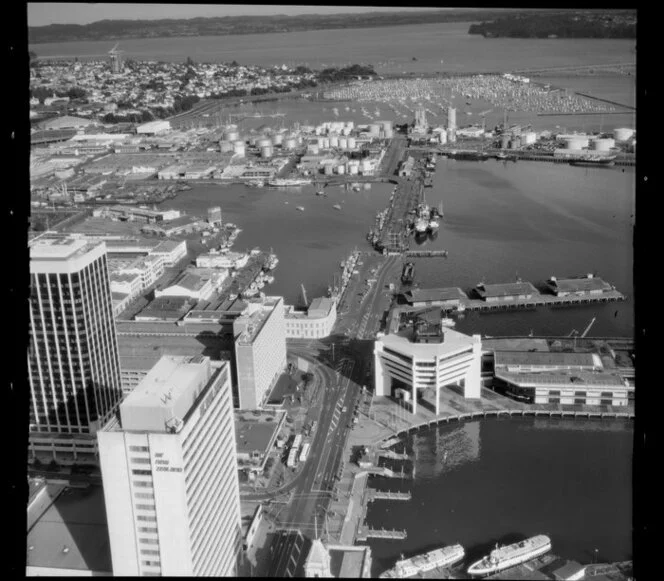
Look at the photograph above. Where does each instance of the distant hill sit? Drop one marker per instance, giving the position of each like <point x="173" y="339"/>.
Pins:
<point x="113" y="30"/>
<point x="563" y="24"/>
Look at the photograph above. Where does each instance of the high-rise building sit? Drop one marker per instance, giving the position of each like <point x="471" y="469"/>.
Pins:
<point x="116" y="61"/>
<point x="451" y="118"/>
<point x="260" y="350"/>
<point x="170" y="473"/>
<point x="73" y="362"/>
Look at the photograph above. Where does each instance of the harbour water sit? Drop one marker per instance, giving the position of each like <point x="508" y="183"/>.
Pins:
<point x="489" y="481"/>
<point x="502" y="220"/>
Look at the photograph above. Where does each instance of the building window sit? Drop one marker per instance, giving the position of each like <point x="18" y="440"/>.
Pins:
<point x="606" y="401"/>
<point x="140" y="484"/>
<point x="554" y="400"/>
<point x="581" y="400"/>
<point x="145" y="507"/>
<point x="139" y="449"/>
<point x="146" y="518"/>
<point x="144" y="495"/>
<point x="150" y="563"/>
<point x="140" y="460"/>
<point x="148" y="541"/>
<point x="150" y="552"/>
<point x="138" y="472"/>
<point x="147" y="529"/>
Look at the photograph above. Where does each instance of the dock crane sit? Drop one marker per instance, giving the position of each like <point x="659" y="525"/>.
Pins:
<point x="588" y="328"/>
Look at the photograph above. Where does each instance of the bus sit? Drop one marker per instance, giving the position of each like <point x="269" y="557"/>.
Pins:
<point x="292" y="458"/>
<point x="296" y="442"/>
<point x="304" y="453"/>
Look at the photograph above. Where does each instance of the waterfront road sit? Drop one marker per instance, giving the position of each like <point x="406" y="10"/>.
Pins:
<point x="317" y="481"/>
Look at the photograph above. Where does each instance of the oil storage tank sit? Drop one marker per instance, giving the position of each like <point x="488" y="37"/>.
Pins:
<point x="264" y="142"/>
<point x="341" y="169"/>
<point x="575" y="142"/>
<point x="374" y="129"/>
<point x="278" y="139"/>
<point x="238" y="148"/>
<point x="602" y="144"/>
<point x="351" y="143"/>
<point x="504" y="141"/>
<point x="267" y="151"/>
<point x="334" y="141"/>
<point x="290" y="143"/>
<point x="231" y="135"/>
<point x="343" y="143"/>
<point x="226" y="146"/>
<point x="622" y="134"/>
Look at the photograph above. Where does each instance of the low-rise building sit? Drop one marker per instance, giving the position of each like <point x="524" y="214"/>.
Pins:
<point x="149" y="268"/>
<point x="588" y="286"/>
<point x="493" y="293"/>
<point x="443" y="297"/>
<point x="561" y="378"/>
<point x="171" y="251"/>
<point x="188" y="285"/>
<point x="255" y="436"/>
<point x="154" y="128"/>
<point x="128" y="283"/>
<point x="166" y="308"/>
<point x="181" y="225"/>
<point x="316" y="322"/>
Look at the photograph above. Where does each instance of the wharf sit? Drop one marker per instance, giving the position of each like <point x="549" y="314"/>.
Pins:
<point x="364" y="533"/>
<point x="543" y="300"/>
<point x="373" y="494"/>
<point x="426" y="254"/>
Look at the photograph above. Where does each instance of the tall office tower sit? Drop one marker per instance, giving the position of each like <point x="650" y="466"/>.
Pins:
<point x="73" y="363"/>
<point x="260" y="350"/>
<point x="170" y="473"/>
<point x="116" y="62"/>
<point x="451" y="118"/>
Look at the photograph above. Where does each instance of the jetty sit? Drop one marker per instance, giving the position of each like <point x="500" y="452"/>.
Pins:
<point x="426" y="254"/>
<point x="373" y="494"/>
<point x="364" y="533"/>
<point x="542" y="300"/>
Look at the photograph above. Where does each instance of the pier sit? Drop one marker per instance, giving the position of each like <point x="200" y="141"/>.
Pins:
<point x="543" y="300"/>
<point x="373" y="494"/>
<point x="364" y="533"/>
<point x="426" y="254"/>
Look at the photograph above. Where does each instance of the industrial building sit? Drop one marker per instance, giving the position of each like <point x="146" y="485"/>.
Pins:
<point x="73" y="363"/>
<point x="442" y="297"/>
<point x="188" y="285"/>
<point x="154" y="128"/>
<point x="419" y="354"/>
<point x="560" y="378"/>
<point x="493" y="293"/>
<point x="590" y="285"/>
<point x="260" y="350"/>
<point x="170" y="474"/>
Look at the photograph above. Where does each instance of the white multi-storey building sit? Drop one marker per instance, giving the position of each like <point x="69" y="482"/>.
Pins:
<point x="73" y="362"/>
<point x="316" y="323"/>
<point x="170" y="474"/>
<point x="260" y="350"/>
<point x="403" y="362"/>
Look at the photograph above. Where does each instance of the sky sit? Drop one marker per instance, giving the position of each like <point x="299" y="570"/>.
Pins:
<point x="44" y="13"/>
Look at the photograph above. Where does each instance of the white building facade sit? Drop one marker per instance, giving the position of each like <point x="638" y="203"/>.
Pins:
<point x="260" y="350"/>
<point x="170" y="474"/>
<point x="400" y="363"/>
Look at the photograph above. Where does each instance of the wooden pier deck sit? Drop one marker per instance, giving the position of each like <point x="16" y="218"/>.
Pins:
<point x="426" y="254"/>
<point x="364" y="533"/>
<point x="373" y="494"/>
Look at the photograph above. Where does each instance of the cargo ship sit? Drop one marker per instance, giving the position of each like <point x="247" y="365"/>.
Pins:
<point x="594" y="161"/>
<point x="469" y="155"/>
<point x="285" y="183"/>
<point x="510" y="555"/>
<point x="438" y="558"/>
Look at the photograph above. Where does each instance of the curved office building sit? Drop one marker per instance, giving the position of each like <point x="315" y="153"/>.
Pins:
<point x="413" y="361"/>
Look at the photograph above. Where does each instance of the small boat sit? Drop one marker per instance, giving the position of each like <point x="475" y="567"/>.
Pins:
<point x="337" y="207"/>
<point x="301" y="208"/>
<point x="321" y="193"/>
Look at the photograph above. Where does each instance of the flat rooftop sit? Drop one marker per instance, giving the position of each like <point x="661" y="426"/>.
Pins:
<point x="254" y="430"/>
<point x="76" y="521"/>
<point x="53" y="247"/>
<point x="402" y="342"/>
<point x="547" y="359"/>
<point x="578" y="379"/>
<point x="435" y="294"/>
<point x="168" y="390"/>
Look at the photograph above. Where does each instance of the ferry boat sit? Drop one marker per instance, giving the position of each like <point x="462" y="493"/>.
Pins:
<point x="438" y="558"/>
<point x="510" y="555"/>
<point x="291" y="182"/>
<point x="433" y="225"/>
<point x="301" y="208"/>
<point x="594" y="161"/>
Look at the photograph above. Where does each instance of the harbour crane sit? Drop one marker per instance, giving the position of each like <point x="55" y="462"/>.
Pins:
<point x="588" y="328"/>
